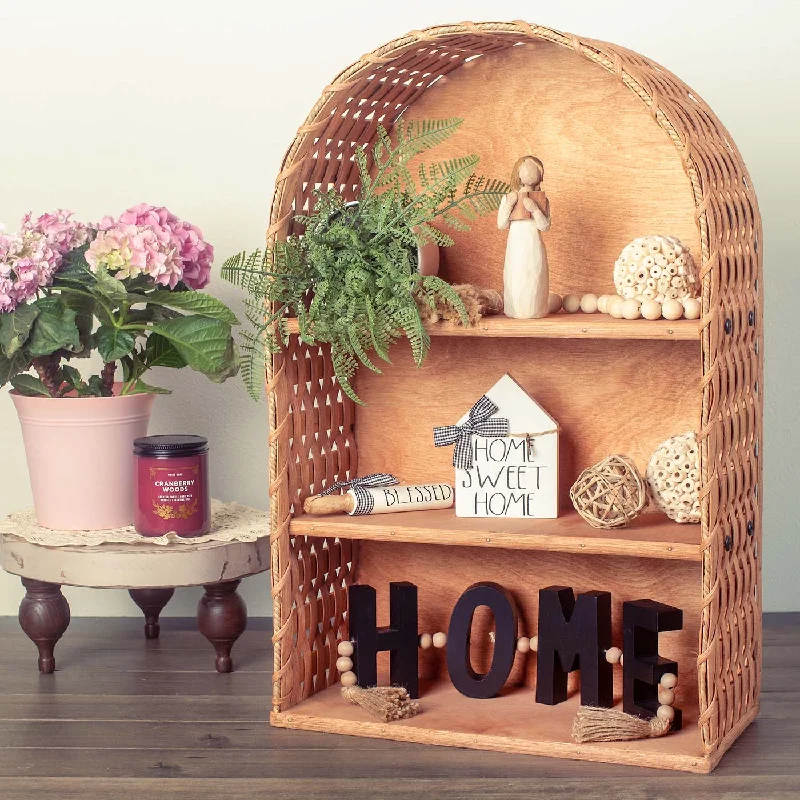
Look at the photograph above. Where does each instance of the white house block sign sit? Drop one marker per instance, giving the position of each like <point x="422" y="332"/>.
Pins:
<point x="515" y="475"/>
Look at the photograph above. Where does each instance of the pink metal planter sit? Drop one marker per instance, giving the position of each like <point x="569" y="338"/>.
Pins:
<point x="80" y="457"/>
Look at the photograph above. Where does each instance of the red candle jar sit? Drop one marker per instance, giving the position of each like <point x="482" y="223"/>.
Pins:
<point x="172" y="485"/>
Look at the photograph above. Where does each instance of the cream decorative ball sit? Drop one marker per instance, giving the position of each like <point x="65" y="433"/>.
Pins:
<point x="572" y="303"/>
<point x="691" y="308"/>
<point x="614" y="307"/>
<point x="673" y="476"/>
<point x="656" y="268"/>
<point x="672" y="309"/>
<point x="631" y="309"/>
<point x="651" y="309"/>
<point x="589" y="303"/>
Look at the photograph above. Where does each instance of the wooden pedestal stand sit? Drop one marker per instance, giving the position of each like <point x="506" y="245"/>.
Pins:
<point x="630" y="150"/>
<point x="149" y="572"/>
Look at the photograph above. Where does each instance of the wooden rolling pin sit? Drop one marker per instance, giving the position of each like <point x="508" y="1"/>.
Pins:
<point x="384" y="500"/>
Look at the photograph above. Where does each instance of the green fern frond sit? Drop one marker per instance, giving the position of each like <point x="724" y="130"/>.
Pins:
<point x="416" y="136"/>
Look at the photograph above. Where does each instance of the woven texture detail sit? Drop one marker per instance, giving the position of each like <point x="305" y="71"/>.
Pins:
<point x="312" y="442"/>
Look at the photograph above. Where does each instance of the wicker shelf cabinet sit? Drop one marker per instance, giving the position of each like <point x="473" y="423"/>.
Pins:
<point x="629" y="150"/>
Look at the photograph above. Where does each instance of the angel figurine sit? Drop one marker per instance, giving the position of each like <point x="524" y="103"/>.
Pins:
<point x="525" y="213"/>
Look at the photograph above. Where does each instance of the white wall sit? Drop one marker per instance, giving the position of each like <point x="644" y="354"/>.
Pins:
<point x="192" y="105"/>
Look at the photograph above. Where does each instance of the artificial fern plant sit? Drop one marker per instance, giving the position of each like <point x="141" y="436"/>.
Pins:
<point x="351" y="279"/>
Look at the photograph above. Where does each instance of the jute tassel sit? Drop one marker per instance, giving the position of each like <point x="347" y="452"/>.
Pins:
<point x="607" y="725"/>
<point x="387" y="703"/>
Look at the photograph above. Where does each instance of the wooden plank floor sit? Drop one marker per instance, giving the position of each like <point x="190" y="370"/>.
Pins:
<point x="123" y="718"/>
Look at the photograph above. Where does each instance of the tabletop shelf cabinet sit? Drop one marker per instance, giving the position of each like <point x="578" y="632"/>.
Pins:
<point x="630" y="150"/>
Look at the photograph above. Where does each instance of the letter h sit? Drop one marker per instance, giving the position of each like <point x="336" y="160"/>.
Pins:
<point x="400" y="638"/>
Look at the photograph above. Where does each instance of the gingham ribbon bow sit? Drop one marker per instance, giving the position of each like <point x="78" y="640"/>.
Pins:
<point x="364" y="501"/>
<point x="367" y="482"/>
<point x="479" y="424"/>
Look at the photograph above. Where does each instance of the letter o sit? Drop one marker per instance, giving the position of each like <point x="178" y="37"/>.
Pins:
<point x="459" y="667"/>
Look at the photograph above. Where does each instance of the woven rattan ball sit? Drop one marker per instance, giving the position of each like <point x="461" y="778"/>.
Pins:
<point x="656" y="268"/>
<point x="609" y="494"/>
<point x="673" y="476"/>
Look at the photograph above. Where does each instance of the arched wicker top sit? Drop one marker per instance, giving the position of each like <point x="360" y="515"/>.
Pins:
<point x="379" y="86"/>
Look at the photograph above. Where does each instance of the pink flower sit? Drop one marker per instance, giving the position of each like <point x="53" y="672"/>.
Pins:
<point x="63" y="233"/>
<point x="28" y="261"/>
<point x="194" y="253"/>
<point x="127" y="250"/>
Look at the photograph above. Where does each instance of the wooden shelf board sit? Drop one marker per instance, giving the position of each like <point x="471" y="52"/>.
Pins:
<point x="512" y="723"/>
<point x="566" y="326"/>
<point x="650" y="535"/>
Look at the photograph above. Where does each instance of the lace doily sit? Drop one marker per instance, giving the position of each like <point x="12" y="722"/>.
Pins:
<point x="230" y="522"/>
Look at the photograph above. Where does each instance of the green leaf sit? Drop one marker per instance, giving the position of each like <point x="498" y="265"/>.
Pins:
<point x="54" y="329"/>
<point x="15" y="327"/>
<point x="110" y="288"/>
<point x="203" y="304"/>
<point x="140" y="387"/>
<point x="9" y="367"/>
<point x="29" y="386"/>
<point x="113" y="343"/>
<point x="74" y="270"/>
<point x="96" y="388"/>
<point x="71" y="376"/>
<point x="84" y="308"/>
<point x="160" y="352"/>
<point x="206" y="345"/>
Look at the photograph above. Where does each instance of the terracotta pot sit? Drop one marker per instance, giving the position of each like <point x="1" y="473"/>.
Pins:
<point x="80" y="457"/>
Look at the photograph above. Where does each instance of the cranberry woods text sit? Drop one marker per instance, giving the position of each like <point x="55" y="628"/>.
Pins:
<point x="573" y="634"/>
<point x="174" y="486"/>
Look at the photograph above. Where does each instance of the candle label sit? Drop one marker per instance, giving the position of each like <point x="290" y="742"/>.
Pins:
<point x="175" y="494"/>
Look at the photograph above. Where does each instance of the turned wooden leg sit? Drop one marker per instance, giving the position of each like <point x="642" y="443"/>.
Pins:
<point x="44" y="616"/>
<point x="222" y="619"/>
<point x="151" y="602"/>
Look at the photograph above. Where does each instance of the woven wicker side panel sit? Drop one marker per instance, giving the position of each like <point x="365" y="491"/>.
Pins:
<point x="311" y="446"/>
<point x="730" y="656"/>
<point x="380" y="85"/>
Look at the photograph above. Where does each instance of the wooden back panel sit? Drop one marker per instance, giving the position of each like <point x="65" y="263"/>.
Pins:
<point x="608" y="396"/>
<point x="610" y="172"/>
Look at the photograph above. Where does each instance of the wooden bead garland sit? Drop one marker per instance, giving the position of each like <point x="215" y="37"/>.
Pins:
<point x="673" y="476"/>
<point x="610" y="493"/>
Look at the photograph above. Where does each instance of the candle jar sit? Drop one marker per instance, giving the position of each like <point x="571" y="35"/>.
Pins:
<point x="172" y="485"/>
